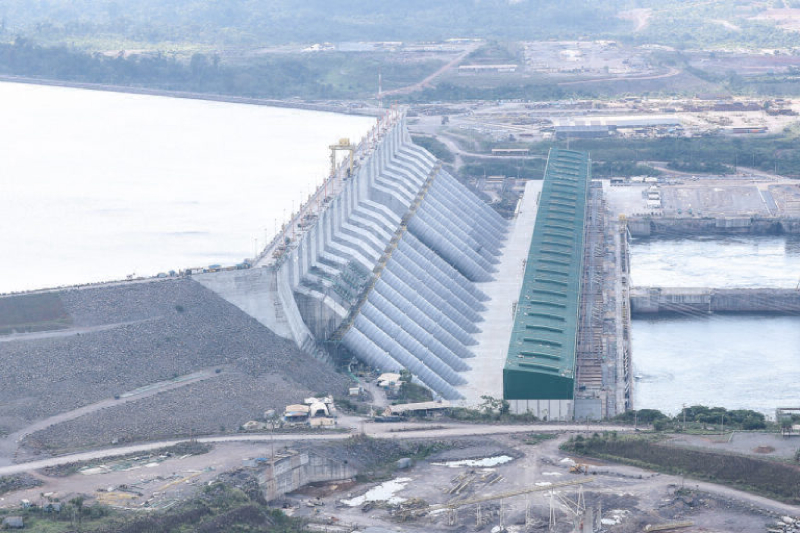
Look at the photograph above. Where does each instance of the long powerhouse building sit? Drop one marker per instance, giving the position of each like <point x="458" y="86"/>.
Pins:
<point x="539" y="374"/>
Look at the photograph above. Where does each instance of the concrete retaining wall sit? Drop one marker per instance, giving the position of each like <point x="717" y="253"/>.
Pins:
<point x="665" y="227"/>
<point x="655" y="300"/>
<point x="561" y="410"/>
<point x="287" y="474"/>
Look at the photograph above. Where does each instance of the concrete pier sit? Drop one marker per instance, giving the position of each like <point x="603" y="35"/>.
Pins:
<point x="604" y="377"/>
<point x="649" y="301"/>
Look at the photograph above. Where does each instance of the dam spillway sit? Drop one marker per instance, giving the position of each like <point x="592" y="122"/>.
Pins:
<point x="390" y="266"/>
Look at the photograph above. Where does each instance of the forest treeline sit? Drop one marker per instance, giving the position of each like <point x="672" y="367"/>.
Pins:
<point x="248" y="23"/>
<point x="258" y="22"/>
<point x="272" y="76"/>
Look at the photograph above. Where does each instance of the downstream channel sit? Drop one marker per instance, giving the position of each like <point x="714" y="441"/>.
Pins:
<point x="734" y="361"/>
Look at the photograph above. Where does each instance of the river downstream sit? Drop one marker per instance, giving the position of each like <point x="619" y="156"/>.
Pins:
<point x="734" y="361"/>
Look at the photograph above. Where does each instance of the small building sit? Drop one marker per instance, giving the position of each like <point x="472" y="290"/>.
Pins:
<point x="318" y="409"/>
<point x="389" y="380"/>
<point x="510" y="151"/>
<point x="421" y="408"/>
<point x="13" y="522"/>
<point x="296" y="413"/>
<point x="593" y="131"/>
<point x="474" y="69"/>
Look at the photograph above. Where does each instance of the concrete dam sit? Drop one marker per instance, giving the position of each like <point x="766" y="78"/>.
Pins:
<point x="397" y="263"/>
<point x="388" y="268"/>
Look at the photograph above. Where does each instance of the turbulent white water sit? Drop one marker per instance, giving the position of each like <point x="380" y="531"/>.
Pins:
<point x="733" y="361"/>
<point x="98" y="185"/>
<point x="736" y="261"/>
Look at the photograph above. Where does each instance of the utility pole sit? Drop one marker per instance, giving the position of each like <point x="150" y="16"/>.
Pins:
<point x="684" y="417"/>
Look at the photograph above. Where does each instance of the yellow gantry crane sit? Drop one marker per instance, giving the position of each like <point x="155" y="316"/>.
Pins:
<point x="343" y="144"/>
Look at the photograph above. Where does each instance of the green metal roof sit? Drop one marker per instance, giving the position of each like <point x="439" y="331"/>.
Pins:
<point x="541" y="355"/>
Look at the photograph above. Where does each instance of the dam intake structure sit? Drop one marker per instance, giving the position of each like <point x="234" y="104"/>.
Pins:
<point x="388" y="268"/>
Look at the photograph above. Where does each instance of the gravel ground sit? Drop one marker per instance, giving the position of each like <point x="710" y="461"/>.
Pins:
<point x="19" y="482"/>
<point x="185" y="328"/>
<point x="761" y="445"/>
<point x="472" y="450"/>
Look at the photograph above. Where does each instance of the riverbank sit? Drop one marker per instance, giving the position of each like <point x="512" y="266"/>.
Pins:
<point x="347" y="108"/>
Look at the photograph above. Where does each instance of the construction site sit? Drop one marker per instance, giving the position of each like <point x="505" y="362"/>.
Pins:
<point x="392" y="265"/>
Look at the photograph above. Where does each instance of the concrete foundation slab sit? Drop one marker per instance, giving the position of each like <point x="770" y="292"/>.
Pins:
<point x="486" y="376"/>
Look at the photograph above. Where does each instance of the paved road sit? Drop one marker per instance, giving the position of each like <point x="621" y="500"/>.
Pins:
<point x="36" y="335"/>
<point x="671" y="72"/>
<point x="383" y="431"/>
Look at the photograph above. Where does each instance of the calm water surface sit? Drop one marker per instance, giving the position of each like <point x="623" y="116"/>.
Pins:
<point x="734" y="361"/>
<point x="737" y="362"/>
<point x="97" y="185"/>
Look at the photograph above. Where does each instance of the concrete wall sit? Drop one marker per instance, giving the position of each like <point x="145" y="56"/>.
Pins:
<point x="657" y="226"/>
<point x="288" y="474"/>
<point x="388" y="267"/>
<point x="561" y="410"/>
<point x="654" y="300"/>
<point x="254" y="291"/>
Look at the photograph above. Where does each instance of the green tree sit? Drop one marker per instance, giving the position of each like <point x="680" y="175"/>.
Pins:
<point x="493" y="405"/>
<point x="77" y="503"/>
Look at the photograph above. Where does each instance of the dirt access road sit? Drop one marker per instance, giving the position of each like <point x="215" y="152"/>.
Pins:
<point x="379" y="431"/>
<point x="9" y="445"/>
<point x="427" y="81"/>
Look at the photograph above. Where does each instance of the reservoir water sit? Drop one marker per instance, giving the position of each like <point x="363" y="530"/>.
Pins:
<point x="733" y="361"/>
<point x="97" y="185"/>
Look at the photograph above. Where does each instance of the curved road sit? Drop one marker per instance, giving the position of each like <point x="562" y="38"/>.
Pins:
<point x="671" y="72"/>
<point x="419" y="430"/>
<point x="382" y="431"/>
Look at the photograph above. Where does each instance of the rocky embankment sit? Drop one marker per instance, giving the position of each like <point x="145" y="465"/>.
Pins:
<point x="158" y="331"/>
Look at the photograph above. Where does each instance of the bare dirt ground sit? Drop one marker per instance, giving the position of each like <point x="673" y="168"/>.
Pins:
<point x="628" y="498"/>
<point x="429" y="79"/>
<point x="756" y="444"/>
<point x="639" y="17"/>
